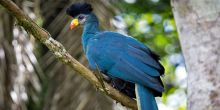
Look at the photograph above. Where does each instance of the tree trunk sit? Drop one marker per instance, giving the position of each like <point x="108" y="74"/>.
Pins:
<point x="198" y="24"/>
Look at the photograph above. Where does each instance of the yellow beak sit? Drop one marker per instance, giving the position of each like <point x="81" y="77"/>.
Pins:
<point x="74" y="23"/>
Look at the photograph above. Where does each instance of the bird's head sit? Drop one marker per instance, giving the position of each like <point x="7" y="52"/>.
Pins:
<point x="80" y="12"/>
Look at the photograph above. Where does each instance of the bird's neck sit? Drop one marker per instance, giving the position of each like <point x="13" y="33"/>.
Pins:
<point x="91" y="28"/>
<point x="91" y="24"/>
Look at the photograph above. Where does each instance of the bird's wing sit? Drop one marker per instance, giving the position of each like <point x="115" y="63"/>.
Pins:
<point x="126" y="58"/>
<point x="120" y="44"/>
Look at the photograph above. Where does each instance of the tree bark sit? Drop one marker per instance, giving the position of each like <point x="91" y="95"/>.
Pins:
<point x="198" y="24"/>
<point x="60" y="52"/>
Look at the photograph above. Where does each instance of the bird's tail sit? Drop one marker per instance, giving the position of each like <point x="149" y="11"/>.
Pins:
<point x="145" y="99"/>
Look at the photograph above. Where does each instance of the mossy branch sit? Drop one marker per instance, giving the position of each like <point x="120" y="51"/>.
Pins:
<point x="60" y="52"/>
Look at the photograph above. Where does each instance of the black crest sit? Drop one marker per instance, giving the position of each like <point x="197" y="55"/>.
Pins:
<point x="79" y="8"/>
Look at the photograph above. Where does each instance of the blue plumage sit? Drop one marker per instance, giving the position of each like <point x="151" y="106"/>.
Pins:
<point x="145" y="99"/>
<point x="124" y="58"/>
<point x="112" y="53"/>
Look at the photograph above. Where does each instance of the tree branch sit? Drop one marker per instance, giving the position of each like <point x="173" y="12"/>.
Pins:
<point x="60" y="52"/>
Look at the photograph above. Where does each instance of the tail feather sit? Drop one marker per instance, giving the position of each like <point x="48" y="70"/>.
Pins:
<point x="145" y="99"/>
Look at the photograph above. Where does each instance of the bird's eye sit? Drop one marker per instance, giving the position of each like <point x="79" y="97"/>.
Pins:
<point x="80" y="17"/>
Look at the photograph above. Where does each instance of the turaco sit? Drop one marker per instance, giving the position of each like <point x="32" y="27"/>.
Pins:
<point x="122" y="58"/>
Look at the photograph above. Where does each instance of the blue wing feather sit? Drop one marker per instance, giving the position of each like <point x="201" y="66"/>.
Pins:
<point x="143" y="57"/>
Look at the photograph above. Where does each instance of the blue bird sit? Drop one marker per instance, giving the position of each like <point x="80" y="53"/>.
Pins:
<point x="122" y="58"/>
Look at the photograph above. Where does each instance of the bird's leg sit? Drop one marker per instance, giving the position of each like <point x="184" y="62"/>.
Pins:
<point x="123" y="87"/>
<point x="118" y="84"/>
<point x="120" y="90"/>
<point x="100" y="77"/>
